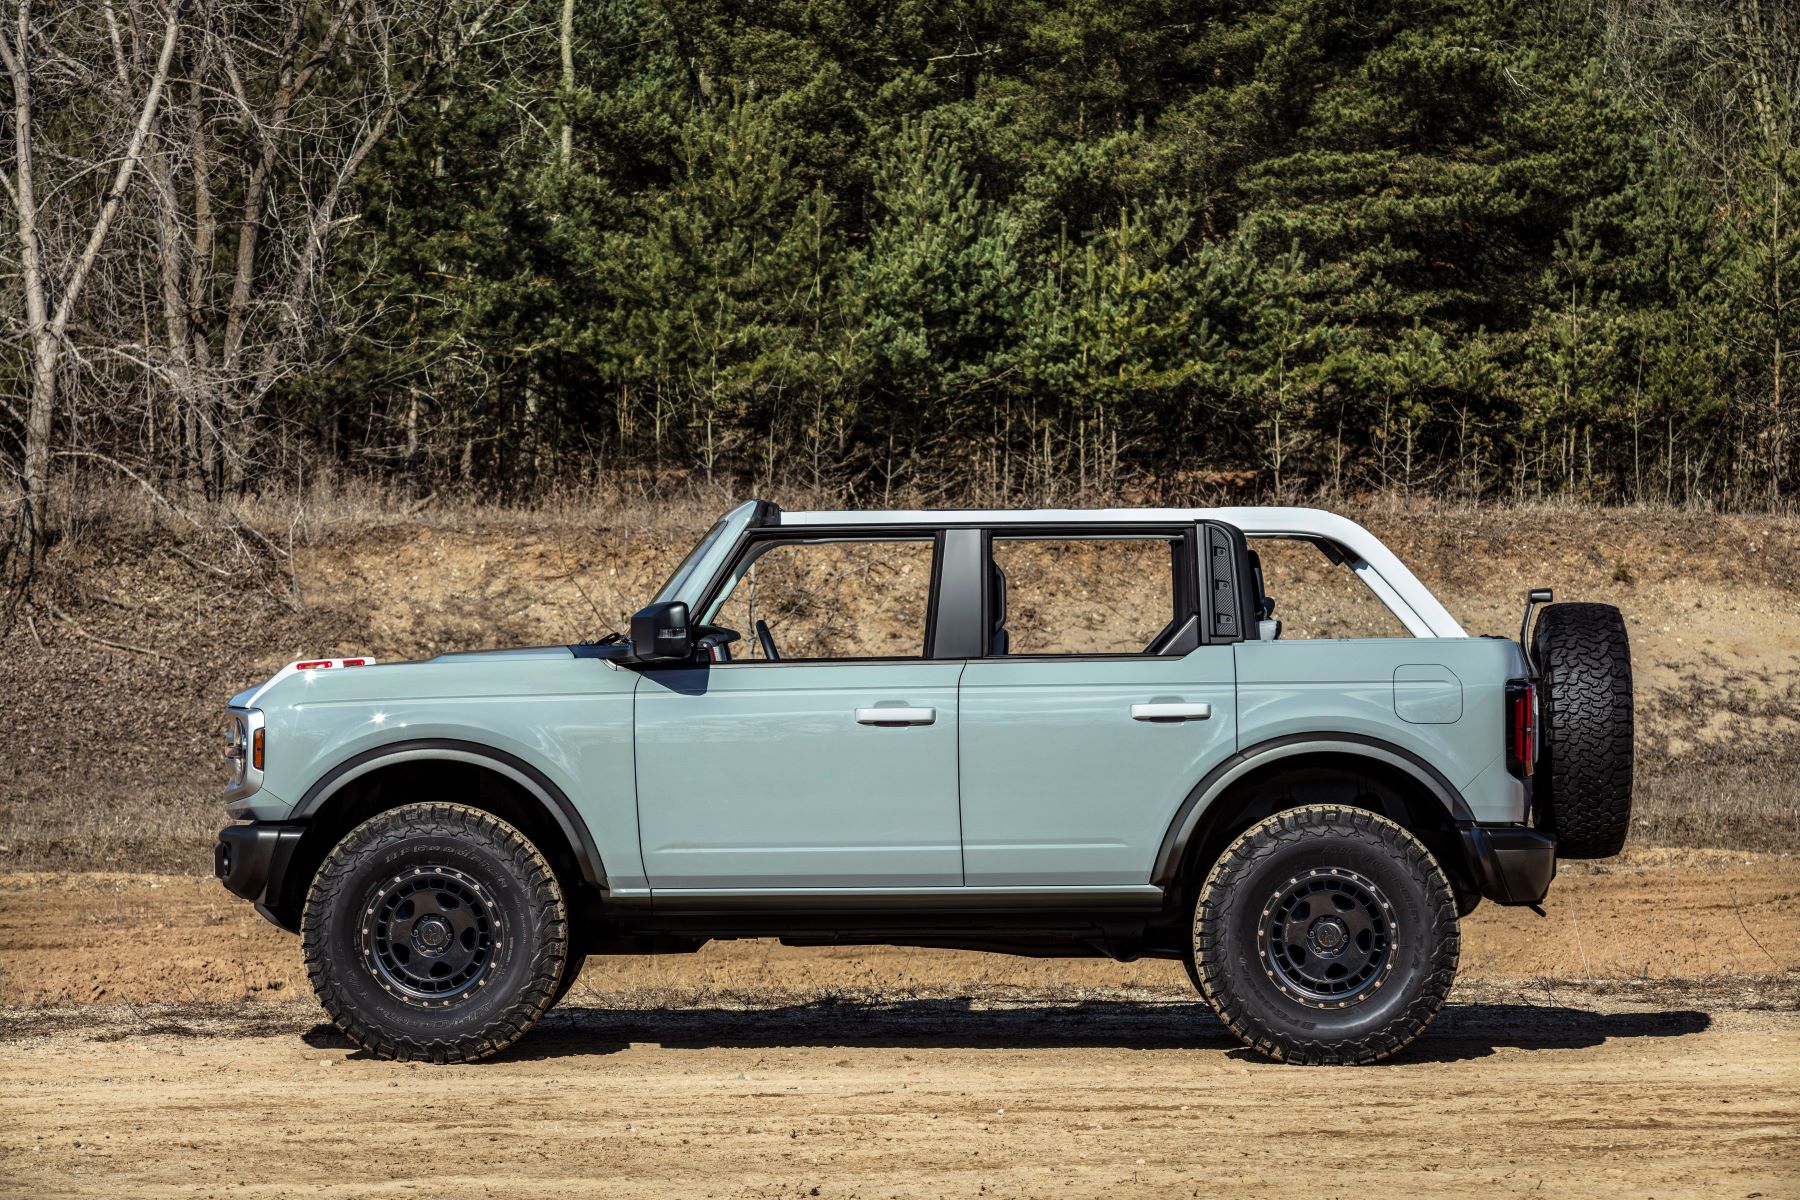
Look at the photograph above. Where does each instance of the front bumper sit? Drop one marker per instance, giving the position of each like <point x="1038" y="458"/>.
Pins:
<point x="1512" y="864"/>
<point x="252" y="859"/>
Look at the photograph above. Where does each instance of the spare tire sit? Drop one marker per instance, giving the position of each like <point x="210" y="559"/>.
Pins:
<point x="1582" y="785"/>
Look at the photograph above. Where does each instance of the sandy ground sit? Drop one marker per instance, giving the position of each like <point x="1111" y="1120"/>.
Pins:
<point x="156" y="1039"/>
<point x="1113" y="1095"/>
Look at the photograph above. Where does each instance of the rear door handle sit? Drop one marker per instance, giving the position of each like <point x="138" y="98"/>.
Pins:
<point x="1171" y="712"/>
<point x="896" y="716"/>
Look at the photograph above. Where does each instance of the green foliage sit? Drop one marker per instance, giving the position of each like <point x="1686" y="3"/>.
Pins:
<point x="1056" y="247"/>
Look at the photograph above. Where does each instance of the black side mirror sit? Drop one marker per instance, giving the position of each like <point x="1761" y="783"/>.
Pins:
<point x="660" y="632"/>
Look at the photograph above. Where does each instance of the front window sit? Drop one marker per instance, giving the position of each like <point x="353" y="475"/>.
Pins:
<point x="829" y="599"/>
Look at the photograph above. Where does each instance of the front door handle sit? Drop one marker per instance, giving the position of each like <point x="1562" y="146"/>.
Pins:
<point x="896" y="716"/>
<point x="1171" y="712"/>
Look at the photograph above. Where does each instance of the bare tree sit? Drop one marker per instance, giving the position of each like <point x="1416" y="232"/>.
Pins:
<point x="173" y="300"/>
<point x="307" y="91"/>
<point x="53" y="276"/>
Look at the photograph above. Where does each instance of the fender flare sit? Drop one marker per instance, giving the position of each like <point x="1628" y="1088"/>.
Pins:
<point x="535" y="782"/>
<point x="1193" y="809"/>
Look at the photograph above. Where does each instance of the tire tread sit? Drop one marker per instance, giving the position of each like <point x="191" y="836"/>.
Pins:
<point x="1584" y="771"/>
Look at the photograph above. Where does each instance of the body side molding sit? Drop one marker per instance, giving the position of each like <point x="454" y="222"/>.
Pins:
<point x="568" y="820"/>
<point x="1216" y="781"/>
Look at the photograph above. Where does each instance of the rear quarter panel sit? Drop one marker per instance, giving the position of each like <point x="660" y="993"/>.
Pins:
<point x="1362" y="686"/>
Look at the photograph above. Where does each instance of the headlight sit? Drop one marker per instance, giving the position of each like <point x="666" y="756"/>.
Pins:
<point x="243" y="751"/>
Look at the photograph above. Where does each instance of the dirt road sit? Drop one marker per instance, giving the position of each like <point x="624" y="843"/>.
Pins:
<point x="157" y="1040"/>
<point x="1566" y="1094"/>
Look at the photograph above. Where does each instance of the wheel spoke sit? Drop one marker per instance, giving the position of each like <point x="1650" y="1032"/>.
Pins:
<point x="462" y="918"/>
<point x="1356" y="918"/>
<point x="424" y="901"/>
<point x="400" y="929"/>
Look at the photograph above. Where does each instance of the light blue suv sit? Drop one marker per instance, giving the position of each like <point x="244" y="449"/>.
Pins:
<point x="1045" y="732"/>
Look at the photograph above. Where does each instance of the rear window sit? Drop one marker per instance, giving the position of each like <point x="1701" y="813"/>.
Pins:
<point x="1100" y="595"/>
<point x="1317" y="598"/>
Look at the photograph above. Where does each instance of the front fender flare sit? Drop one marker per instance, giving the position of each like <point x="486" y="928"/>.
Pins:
<point x="1190" y="816"/>
<point x="528" y="777"/>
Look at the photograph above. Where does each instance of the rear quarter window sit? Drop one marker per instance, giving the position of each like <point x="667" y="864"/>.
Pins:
<point x="1317" y="598"/>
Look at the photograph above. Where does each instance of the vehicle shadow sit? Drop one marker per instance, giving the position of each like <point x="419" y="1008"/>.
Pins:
<point x="1462" y="1031"/>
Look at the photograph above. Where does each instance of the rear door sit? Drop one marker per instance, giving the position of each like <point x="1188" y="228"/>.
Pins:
<point x="1096" y="709"/>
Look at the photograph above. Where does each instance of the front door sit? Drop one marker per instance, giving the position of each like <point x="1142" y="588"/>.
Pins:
<point x="823" y="755"/>
<point x="1094" y="713"/>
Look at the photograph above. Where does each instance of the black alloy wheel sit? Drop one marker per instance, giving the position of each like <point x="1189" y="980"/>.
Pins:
<point x="1326" y="938"/>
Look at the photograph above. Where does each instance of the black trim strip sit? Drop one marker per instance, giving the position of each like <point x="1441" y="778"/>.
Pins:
<point x="948" y="899"/>
<point x="1199" y="800"/>
<point x="574" y="829"/>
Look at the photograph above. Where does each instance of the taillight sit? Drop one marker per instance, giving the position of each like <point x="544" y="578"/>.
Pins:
<point x="1521" y="727"/>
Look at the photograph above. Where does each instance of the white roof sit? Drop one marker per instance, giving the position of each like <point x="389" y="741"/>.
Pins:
<point x="1379" y="567"/>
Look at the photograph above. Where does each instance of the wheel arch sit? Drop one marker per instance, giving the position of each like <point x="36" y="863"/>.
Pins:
<point x="484" y="777"/>
<point x="1257" y="782"/>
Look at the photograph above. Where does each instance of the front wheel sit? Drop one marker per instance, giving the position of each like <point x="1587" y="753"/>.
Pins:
<point x="435" y="931"/>
<point x="1326" y="934"/>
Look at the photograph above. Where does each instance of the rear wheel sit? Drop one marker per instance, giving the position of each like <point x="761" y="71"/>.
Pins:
<point x="435" y="931"/>
<point x="1326" y="934"/>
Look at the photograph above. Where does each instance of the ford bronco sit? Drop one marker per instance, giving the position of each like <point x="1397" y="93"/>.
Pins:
<point x="1043" y="733"/>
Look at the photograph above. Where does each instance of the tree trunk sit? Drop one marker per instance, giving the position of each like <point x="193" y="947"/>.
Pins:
<point x="28" y="532"/>
<point x="45" y="327"/>
<point x="568" y="76"/>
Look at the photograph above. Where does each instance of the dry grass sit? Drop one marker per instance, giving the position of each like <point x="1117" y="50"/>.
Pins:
<point x="148" y="618"/>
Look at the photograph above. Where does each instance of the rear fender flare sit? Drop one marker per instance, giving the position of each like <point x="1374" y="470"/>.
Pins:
<point x="533" y="781"/>
<point x="1190" y="817"/>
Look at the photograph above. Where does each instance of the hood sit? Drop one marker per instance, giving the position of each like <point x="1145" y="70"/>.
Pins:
<point x="332" y="678"/>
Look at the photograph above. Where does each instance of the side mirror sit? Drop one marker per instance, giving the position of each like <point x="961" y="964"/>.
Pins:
<point x="660" y="632"/>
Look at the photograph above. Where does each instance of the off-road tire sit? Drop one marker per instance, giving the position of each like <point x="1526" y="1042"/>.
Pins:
<point x="1325" y="846"/>
<point x="1582" y="783"/>
<point x="570" y="973"/>
<point x="1192" y="966"/>
<point x="501" y="876"/>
